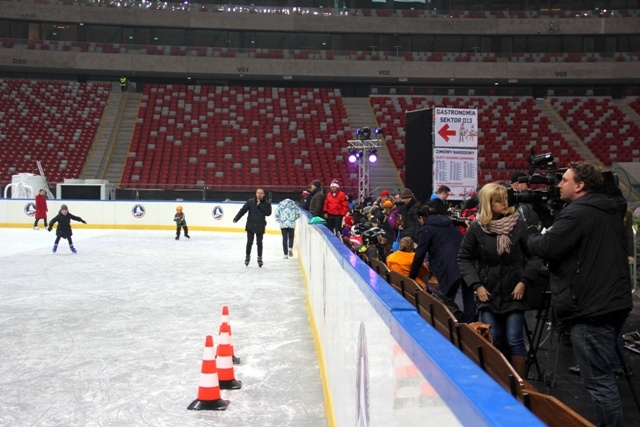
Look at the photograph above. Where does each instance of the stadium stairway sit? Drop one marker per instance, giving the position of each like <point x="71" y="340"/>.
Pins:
<point x="382" y="175"/>
<point x="111" y="146"/>
<point x="629" y="112"/>
<point x="101" y="139"/>
<point x="569" y="135"/>
<point x="120" y="149"/>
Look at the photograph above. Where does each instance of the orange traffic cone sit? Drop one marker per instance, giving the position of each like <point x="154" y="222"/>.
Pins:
<point x="225" y="362"/>
<point x="208" y="387"/>
<point x="225" y="319"/>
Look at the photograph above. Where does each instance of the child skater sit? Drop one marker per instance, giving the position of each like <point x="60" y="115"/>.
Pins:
<point x="180" y="222"/>
<point x="41" y="209"/>
<point x="63" y="231"/>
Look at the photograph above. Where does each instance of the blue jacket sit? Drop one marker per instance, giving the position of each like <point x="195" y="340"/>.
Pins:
<point x="287" y="213"/>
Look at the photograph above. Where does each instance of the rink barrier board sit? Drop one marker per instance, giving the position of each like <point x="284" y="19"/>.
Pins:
<point x="119" y="215"/>
<point x="472" y="395"/>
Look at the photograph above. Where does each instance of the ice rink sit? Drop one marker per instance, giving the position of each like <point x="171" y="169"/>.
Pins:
<point x="114" y="335"/>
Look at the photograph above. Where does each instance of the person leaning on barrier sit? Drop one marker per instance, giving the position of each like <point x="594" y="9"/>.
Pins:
<point x="590" y="281"/>
<point x="316" y="204"/>
<point x="440" y="240"/>
<point x="402" y="259"/>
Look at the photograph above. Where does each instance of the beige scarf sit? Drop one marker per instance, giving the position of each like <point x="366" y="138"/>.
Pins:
<point x="502" y="227"/>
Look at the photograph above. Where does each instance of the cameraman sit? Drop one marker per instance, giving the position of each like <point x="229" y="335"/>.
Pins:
<point x="590" y="281"/>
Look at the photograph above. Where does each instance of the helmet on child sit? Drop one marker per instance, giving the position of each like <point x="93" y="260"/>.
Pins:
<point x="179" y="208"/>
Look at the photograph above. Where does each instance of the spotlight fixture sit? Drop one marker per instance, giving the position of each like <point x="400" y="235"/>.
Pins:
<point x="354" y="155"/>
<point x="373" y="156"/>
<point x="366" y="133"/>
<point x="377" y="131"/>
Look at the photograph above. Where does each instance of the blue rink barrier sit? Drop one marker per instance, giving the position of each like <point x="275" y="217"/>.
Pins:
<point x="469" y="393"/>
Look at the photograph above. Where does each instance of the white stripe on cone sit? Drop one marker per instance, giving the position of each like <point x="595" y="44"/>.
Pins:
<point x="209" y="380"/>
<point x="224" y="362"/>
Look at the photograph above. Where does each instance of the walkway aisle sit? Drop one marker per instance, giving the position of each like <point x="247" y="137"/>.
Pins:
<point x="114" y="335"/>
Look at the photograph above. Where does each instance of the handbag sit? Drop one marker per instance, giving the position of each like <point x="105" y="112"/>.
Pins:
<point x="396" y="244"/>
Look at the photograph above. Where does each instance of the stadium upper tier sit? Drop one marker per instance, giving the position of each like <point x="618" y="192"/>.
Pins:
<point x="53" y="122"/>
<point x="242" y="137"/>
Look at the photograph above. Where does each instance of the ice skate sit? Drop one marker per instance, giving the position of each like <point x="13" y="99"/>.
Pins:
<point x="35" y="228"/>
<point x="178" y="237"/>
<point x="187" y="236"/>
<point x="290" y="253"/>
<point x="286" y="256"/>
<point x="246" y="260"/>
<point x="259" y="261"/>
<point x="73" y="249"/>
<point x="55" y="248"/>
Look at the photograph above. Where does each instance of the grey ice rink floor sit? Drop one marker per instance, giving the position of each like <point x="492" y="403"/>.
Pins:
<point x="114" y="335"/>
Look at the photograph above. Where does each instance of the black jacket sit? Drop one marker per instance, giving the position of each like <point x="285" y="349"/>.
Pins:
<point x="64" y="224"/>
<point x="410" y="224"/>
<point x="442" y="241"/>
<point x="256" y="220"/>
<point x="316" y="205"/>
<point x="587" y="255"/>
<point x="481" y="265"/>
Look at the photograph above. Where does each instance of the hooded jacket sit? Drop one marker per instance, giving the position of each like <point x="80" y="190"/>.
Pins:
<point x="587" y="257"/>
<point x="441" y="240"/>
<point x="256" y="220"/>
<point x="287" y="213"/>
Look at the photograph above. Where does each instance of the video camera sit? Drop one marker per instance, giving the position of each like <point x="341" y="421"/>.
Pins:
<point x="549" y="198"/>
<point x="459" y="221"/>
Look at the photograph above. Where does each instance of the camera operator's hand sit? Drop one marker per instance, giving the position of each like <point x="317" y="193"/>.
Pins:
<point x="483" y="294"/>
<point x="518" y="292"/>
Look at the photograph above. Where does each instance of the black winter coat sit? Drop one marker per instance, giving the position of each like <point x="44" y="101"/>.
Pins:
<point x="64" y="224"/>
<point x="441" y="240"/>
<point x="316" y="205"/>
<point x="481" y="265"/>
<point x="587" y="256"/>
<point x="410" y="224"/>
<point x="256" y="220"/>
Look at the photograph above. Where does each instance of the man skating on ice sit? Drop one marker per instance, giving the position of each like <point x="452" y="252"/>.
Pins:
<point x="259" y="208"/>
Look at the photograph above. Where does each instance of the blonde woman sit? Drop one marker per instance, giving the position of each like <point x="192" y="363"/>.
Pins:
<point x="495" y="261"/>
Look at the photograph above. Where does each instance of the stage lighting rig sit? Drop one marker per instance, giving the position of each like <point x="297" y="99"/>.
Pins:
<point x="363" y="150"/>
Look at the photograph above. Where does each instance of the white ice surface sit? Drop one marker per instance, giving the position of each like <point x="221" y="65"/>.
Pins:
<point x="114" y="335"/>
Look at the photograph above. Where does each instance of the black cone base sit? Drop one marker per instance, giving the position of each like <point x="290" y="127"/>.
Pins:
<point x="230" y="385"/>
<point x="208" y="405"/>
<point x="236" y="360"/>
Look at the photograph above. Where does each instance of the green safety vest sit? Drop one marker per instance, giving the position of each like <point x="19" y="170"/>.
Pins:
<point x="123" y="81"/>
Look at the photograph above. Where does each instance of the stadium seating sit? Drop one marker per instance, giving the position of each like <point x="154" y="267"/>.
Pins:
<point x="53" y="122"/>
<point x="602" y="126"/>
<point x="508" y="129"/>
<point x="238" y="138"/>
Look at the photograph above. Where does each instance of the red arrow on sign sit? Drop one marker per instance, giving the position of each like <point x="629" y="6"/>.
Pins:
<point x="445" y="133"/>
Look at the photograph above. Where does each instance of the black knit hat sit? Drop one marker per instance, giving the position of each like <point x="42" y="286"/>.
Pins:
<point x="316" y="183"/>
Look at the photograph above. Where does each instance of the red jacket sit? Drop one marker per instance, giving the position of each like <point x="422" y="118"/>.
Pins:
<point x="336" y="204"/>
<point x="41" y="206"/>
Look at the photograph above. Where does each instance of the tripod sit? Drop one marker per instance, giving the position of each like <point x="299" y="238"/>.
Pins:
<point x="534" y="337"/>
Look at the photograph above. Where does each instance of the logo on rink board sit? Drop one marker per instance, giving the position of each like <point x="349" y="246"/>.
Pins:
<point x="138" y="211"/>
<point x="362" y="380"/>
<point x="30" y="209"/>
<point x="217" y="213"/>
